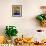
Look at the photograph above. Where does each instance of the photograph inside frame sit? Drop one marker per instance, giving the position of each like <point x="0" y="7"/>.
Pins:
<point x="16" y="10"/>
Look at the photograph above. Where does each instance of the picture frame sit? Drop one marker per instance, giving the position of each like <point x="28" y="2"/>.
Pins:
<point x="16" y="10"/>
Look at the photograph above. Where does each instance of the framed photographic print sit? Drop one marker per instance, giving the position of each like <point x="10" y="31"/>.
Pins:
<point x="16" y="10"/>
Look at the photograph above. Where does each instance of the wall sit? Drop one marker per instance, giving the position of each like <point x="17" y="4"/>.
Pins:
<point x="26" y="24"/>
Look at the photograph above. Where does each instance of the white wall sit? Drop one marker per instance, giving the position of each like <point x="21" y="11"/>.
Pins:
<point x="26" y="24"/>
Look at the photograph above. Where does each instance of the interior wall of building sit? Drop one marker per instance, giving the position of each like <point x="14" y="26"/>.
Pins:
<point x="27" y="24"/>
